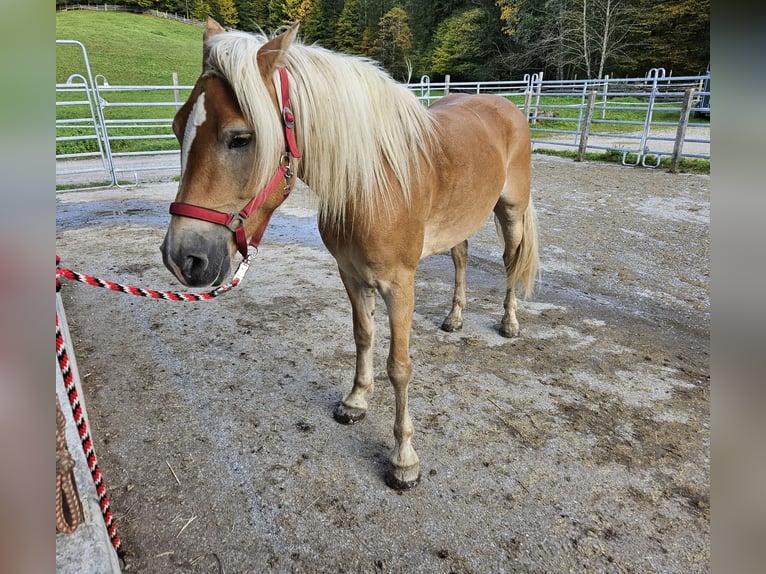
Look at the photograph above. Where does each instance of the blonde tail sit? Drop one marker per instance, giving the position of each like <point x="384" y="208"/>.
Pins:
<point x="526" y="265"/>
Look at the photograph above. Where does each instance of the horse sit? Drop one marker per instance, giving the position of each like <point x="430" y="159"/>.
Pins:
<point x="395" y="181"/>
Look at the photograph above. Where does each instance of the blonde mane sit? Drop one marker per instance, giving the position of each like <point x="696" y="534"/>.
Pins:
<point x="360" y="132"/>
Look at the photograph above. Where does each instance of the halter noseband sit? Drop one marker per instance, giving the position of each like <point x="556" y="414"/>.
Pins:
<point x="236" y="221"/>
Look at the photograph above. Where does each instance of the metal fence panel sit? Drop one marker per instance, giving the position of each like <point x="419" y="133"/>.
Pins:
<point x="113" y="135"/>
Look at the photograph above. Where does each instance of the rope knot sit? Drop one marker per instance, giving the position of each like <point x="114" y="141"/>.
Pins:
<point x="69" y="513"/>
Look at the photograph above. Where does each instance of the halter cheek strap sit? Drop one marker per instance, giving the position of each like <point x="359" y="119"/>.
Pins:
<point x="236" y="221"/>
<point x="288" y="118"/>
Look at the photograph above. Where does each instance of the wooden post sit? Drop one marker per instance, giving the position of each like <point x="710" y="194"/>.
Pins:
<point x="446" y="85"/>
<point x="586" y="126"/>
<point x="683" y="121"/>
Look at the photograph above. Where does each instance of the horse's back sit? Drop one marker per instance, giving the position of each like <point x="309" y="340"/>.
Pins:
<point x="488" y="115"/>
<point x="484" y="151"/>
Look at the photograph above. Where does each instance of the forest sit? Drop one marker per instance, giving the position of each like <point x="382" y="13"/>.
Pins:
<point x="475" y="40"/>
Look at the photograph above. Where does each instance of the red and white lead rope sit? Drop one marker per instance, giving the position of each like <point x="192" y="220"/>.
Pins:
<point x="85" y="439"/>
<point x="71" y="389"/>
<point x="239" y="275"/>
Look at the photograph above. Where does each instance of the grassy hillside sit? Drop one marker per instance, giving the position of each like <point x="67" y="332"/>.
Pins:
<point x="129" y="49"/>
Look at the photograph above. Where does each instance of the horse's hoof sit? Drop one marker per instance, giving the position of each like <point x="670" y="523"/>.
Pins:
<point x="509" y="332"/>
<point x="347" y="415"/>
<point x="401" y="479"/>
<point x="451" y="326"/>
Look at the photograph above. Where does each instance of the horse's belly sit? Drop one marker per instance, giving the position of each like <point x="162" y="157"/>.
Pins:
<point x="445" y="235"/>
<point x="460" y="208"/>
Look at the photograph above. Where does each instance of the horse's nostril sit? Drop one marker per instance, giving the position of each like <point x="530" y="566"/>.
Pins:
<point x="194" y="265"/>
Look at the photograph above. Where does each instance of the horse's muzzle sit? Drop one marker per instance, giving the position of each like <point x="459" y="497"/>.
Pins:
<point x="197" y="260"/>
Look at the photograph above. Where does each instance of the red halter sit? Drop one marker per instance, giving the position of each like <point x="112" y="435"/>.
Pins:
<point x="236" y="221"/>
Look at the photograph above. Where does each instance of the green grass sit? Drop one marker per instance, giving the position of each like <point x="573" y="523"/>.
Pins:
<point x="623" y="114"/>
<point x="129" y="49"/>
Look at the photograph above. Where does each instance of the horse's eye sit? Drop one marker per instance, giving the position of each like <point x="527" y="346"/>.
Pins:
<point x="240" y="140"/>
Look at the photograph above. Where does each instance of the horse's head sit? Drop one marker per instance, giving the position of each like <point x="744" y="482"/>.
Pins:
<point x="235" y="168"/>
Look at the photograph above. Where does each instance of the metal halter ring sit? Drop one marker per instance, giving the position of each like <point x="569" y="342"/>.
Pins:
<point x="236" y="222"/>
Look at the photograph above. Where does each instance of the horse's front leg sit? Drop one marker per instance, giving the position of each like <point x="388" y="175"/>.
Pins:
<point x="405" y="466"/>
<point x="353" y="407"/>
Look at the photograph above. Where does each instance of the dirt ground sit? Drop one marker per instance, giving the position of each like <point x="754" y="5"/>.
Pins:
<point x="581" y="446"/>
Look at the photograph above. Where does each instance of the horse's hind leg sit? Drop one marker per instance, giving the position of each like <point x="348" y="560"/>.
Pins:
<point x="454" y="321"/>
<point x="510" y="222"/>
<point x="354" y="406"/>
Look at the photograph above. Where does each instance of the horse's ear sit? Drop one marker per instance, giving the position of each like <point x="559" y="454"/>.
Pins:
<point x="212" y="28"/>
<point x="271" y="56"/>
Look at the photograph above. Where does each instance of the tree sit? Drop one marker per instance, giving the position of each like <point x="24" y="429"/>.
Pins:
<point x="510" y="15"/>
<point x="616" y="19"/>
<point x="140" y="3"/>
<point x="172" y="6"/>
<point x="394" y="42"/>
<point x="372" y="11"/>
<point x="226" y="13"/>
<point x="583" y="28"/>
<point x="569" y="37"/>
<point x="348" y="33"/>
<point x="457" y="45"/>
<point x="279" y="13"/>
<point x="558" y="40"/>
<point x="200" y="10"/>
<point x="253" y="14"/>
<point x="317" y="27"/>
<point x="426" y="15"/>
<point x="673" y="34"/>
<point x="603" y="26"/>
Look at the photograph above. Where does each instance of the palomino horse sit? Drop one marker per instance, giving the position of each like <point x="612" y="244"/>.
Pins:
<point x="395" y="182"/>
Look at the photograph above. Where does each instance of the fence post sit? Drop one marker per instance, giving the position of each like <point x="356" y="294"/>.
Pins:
<point x="425" y="89"/>
<point x="606" y="89"/>
<point x="586" y="126"/>
<point x="446" y="85"/>
<point x="683" y="121"/>
<point x="176" y="95"/>
<point x="527" y="103"/>
<point x="538" y="89"/>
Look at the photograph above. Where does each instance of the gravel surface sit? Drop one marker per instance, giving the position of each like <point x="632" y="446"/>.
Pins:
<point x="581" y="446"/>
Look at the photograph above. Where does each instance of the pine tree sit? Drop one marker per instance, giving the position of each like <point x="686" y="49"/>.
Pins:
<point x="394" y="42"/>
<point x="675" y="36"/>
<point x="253" y="14"/>
<point x="227" y="13"/>
<point x="200" y="10"/>
<point x="457" y="46"/>
<point x="316" y="27"/>
<point x="348" y="33"/>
